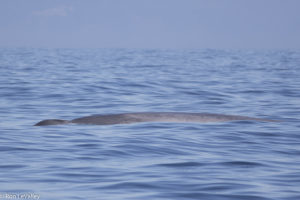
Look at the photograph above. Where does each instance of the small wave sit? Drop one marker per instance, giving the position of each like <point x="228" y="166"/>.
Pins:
<point x="182" y="164"/>
<point x="243" y="164"/>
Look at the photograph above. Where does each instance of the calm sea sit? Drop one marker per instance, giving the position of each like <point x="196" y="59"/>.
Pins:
<point x="149" y="161"/>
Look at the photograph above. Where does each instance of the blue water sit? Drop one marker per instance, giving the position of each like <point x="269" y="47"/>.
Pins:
<point x="218" y="161"/>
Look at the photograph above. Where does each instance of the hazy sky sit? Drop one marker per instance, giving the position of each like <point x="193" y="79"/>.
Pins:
<point x="150" y="23"/>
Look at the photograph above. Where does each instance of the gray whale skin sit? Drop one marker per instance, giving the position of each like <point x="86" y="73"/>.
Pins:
<point x="128" y="118"/>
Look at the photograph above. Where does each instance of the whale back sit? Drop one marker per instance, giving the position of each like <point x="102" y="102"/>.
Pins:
<point x="176" y="117"/>
<point x="182" y="117"/>
<point x="128" y="118"/>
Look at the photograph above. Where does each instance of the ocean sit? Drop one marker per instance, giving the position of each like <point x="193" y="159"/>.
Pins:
<point x="239" y="160"/>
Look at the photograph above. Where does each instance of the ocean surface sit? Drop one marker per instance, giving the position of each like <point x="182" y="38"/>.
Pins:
<point x="239" y="160"/>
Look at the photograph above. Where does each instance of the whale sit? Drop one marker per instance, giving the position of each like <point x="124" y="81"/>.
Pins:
<point x="169" y="117"/>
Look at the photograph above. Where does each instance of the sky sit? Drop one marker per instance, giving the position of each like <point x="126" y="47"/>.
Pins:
<point x="183" y="24"/>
